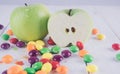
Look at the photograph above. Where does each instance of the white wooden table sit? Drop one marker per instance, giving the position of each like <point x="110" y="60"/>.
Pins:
<point x="106" y="19"/>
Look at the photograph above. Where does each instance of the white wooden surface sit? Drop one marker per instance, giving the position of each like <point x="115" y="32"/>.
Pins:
<point x="106" y="19"/>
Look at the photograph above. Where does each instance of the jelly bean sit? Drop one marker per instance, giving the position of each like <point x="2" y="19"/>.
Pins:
<point x="57" y="58"/>
<point x="66" y="53"/>
<point x="55" y="64"/>
<point x="74" y="48"/>
<point x="37" y="66"/>
<point x="5" y="36"/>
<point x="44" y="60"/>
<point x="55" y="49"/>
<point x="47" y="67"/>
<point x="47" y="55"/>
<point x="33" y="53"/>
<point x="19" y="63"/>
<point x="1" y="26"/>
<point x="20" y="44"/>
<point x="22" y="72"/>
<point x="82" y="53"/>
<point x="50" y="41"/>
<point x="14" y="69"/>
<point x="7" y="59"/>
<point x="44" y="50"/>
<point x="95" y="31"/>
<point x="100" y="36"/>
<point x="62" y="70"/>
<point x="38" y="46"/>
<point x="91" y="68"/>
<point x="5" y="46"/>
<point x="118" y="56"/>
<point x="88" y="58"/>
<point x="33" y="60"/>
<point x="4" y="72"/>
<point x="31" y="42"/>
<point x="79" y="45"/>
<point x="13" y="40"/>
<point x="116" y="46"/>
<point x="40" y="42"/>
<point x="30" y="70"/>
<point x="31" y="47"/>
<point x="9" y="32"/>
<point x="41" y="72"/>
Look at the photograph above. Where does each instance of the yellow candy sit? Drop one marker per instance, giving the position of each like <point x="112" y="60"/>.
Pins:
<point x="91" y="68"/>
<point x="47" y="67"/>
<point x="40" y="42"/>
<point x="31" y="42"/>
<point x="100" y="36"/>
<point x="38" y="46"/>
<point x="47" y="56"/>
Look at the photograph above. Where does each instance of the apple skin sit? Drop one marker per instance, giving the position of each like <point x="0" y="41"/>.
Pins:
<point x="77" y="18"/>
<point x="29" y="23"/>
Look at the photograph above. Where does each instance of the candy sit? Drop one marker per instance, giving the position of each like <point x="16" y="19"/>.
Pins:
<point x="95" y="31"/>
<point x="47" y="55"/>
<point x="30" y="70"/>
<point x="33" y="60"/>
<point x="58" y="58"/>
<point x="47" y="67"/>
<point x="13" y="40"/>
<point x="40" y="42"/>
<point x="20" y="44"/>
<point x="118" y="56"/>
<point x="14" y="69"/>
<point x="44" y="60"/>
<point x="5" y="37"/>
<point x="9" y="32"/>
<point x="37" y="66"/>
<point x="19" y="63"/>
<point x="22" y="72"/>
<point x="100" y="36"/>
<point x="50" y="41"/>
<point x="55" y="64"/>
<point x="31" y="47"/>
<point x="41" y="72"/>
<point x="31" y="42"/>
<point x="38" y="46"/>
<point x="4" y="72"/>
<point x="66" y="53"/>
<point x="1" y="26"/>
<point x="116" y="46"/>
<point x="7" y="59"/>
<point x="44" y="50"/>
<point x="74" y="48"/>
<point x="55" y="49"/>
<point x="33" y="53"/>
<point x="79" y="45"/>
<point x="62" y="70"/>
<point x="88" y="58"/>
<point x="82" y="53"/>
<point x="5" y="46"/>
<point x="91" y="68"/>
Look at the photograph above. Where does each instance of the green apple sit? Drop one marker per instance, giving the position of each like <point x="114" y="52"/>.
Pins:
<point x="30" y="22"/>
<point x="69" y="26"/>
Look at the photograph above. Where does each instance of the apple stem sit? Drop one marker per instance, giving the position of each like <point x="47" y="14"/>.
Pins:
<point x="26" y="4"/>
<point x="70" y="12"/>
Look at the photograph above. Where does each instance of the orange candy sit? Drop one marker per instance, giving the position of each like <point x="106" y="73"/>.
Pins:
<point x="95" y="31"/>
<point x="41" y="72"/>
<point x="82" y="53"/>
<point x="14" y="69"/>
<point x="7" y="59"/>
<point x="9" y="32"/>
<point x="22" y="72"/>
<point x="62" y="70"/>
<point x="19" y="63"/>
<point x="31" y="47"/>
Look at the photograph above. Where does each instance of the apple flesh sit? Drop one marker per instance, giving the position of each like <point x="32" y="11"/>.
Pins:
<point x="30" y="22"/>
<point x="69" y="26"/>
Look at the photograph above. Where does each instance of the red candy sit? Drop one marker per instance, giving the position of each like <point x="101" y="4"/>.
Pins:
<point x="50" y="41"/>
<point x="13" y="40"/>
<point x="44" y="60"/>
<point x="116" y="46"/>
<point x="55" y="64"/>
<point x="79" y="45"/>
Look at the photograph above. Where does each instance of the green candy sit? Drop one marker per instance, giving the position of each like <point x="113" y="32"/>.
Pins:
<point x="44" y="50"/>
<point x="88" y="58"/>
<point x="55" y="49"/>
<point x="118" y="56"/>
<point x="37" y="66"/>
<point x="5" y="37"/>
<point x="30" y="70"/>
<point x="74" y="48"/>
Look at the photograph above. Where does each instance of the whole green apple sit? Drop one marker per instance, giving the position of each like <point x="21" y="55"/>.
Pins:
<point x="30" y="22"/>
<point x="68" y="26"/>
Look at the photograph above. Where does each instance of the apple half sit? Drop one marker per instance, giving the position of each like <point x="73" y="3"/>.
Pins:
<point x="69" y="26"/>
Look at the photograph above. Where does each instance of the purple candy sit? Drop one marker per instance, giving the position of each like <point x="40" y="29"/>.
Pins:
<point x="33" y="60"/>
<point x="58" y="58"/>
<point x="4" y="72"/>
<point x="33" y="53"/>
<point x="20" y="44"/>
<point x="5" y="46"/>
<point x="66" y="53"/>
<point x="1" y="26"/>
